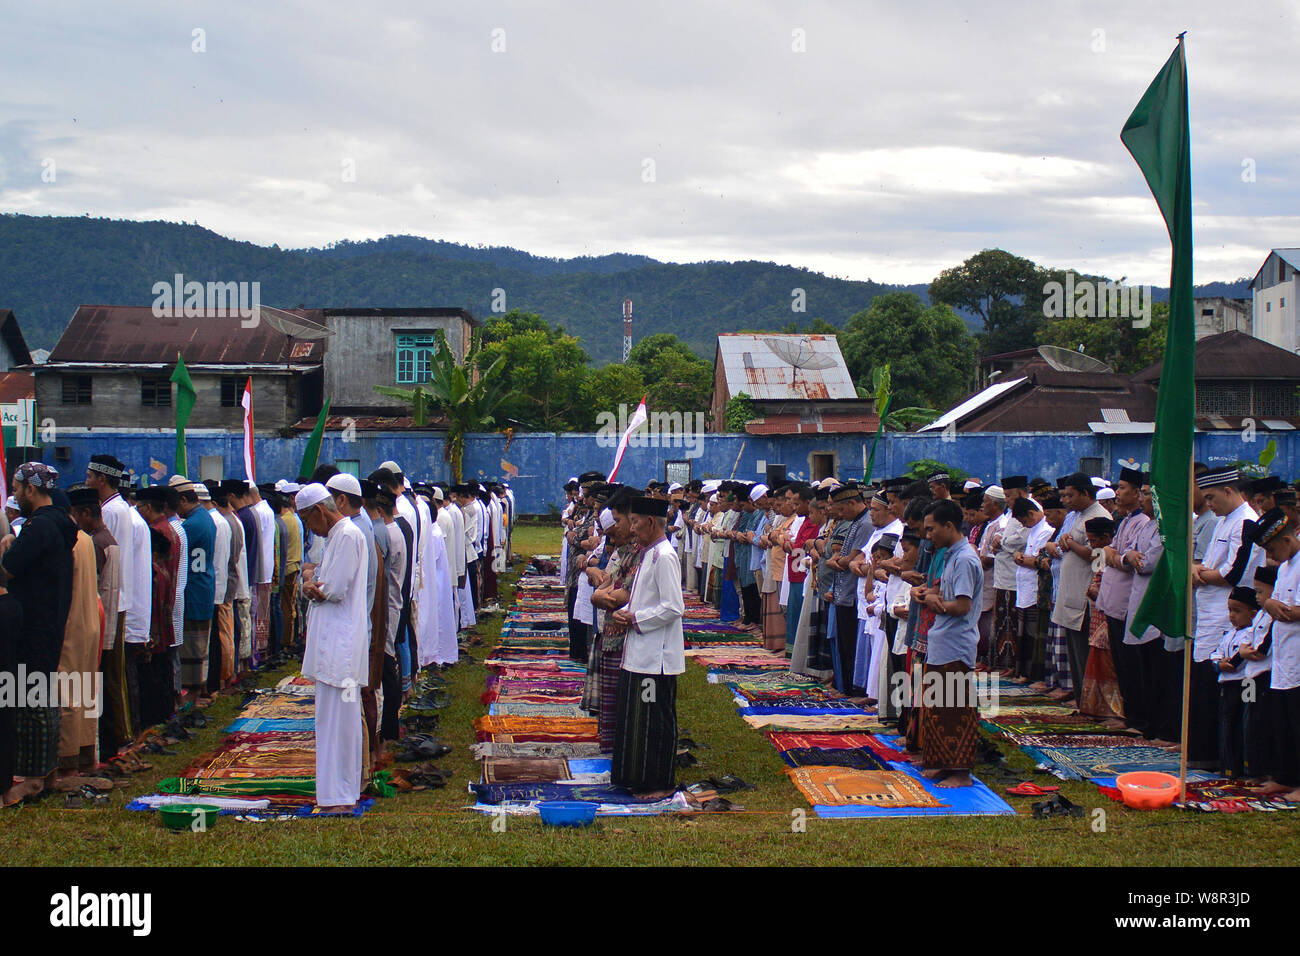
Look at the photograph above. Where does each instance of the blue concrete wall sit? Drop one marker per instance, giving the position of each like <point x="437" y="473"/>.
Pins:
<point x="538" y="464"/>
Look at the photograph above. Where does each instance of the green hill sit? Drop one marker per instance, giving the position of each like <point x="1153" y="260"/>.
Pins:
<point x="50" y="265"/>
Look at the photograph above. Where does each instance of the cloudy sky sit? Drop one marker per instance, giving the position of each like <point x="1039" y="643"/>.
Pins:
<point x="867" y="140"/>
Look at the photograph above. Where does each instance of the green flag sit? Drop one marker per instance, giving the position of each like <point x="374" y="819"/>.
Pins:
<point x="1157" y="135"/>
<point x="311" y="457"/>
<point x="185" y="396"/>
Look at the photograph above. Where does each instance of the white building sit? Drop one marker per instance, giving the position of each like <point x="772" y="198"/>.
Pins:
<point x="1273" y="294"/>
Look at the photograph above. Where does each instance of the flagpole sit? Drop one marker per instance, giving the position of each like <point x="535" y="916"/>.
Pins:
<point x="1188" y="643"/>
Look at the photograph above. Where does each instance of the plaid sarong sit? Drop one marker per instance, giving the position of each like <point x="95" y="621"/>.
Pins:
<point x="37" y="750"/>
<point x="194" y="653"/>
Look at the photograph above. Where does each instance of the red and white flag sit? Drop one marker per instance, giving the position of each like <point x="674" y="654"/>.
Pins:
<point x="247" y="402"/>
<point x="638" y="419"/>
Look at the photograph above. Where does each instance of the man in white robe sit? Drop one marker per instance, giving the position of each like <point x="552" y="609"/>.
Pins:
<point x="338" y="646"/>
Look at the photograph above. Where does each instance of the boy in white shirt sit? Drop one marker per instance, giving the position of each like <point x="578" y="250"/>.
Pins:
<point x="1245" y="620"/>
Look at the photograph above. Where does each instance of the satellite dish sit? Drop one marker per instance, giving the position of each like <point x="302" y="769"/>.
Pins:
<point x="1064" y="360"/>
<point x="799" y="352"/>
<point x="294" y="326"/>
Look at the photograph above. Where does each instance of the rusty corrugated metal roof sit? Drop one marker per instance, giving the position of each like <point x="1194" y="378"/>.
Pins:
<point x="133" y="335"/>
<point x="750" y="364"/>
<point x="16" y="386"/>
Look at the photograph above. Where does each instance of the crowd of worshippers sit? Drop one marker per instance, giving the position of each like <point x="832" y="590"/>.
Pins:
<point x="891" y="590"/>
<point x="160" y="597"/>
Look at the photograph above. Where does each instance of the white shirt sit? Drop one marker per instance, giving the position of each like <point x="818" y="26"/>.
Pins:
<point x="1212" y="600"/>
<point x="265" y="542"/>
<point x="1286" y="635"/>
<point x="220" y="554"/>
<point x="117" y="518"/>
<point x="454" y="545"/>
<point x="338" y="631"/>
<point x="656" y="644"/>
<point x="1027" y="578"/>
<point x="242" y="592"/>
<point x="470" y="514"/>
<point x="443" y="597"/>
<point x="866" y="586"/>
<point x="139" y="614"/>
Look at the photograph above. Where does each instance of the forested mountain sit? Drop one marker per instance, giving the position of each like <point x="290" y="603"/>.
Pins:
<point x="50" y="265"/>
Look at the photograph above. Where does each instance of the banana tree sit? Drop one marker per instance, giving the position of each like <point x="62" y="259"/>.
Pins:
<point x="899" y="419"/>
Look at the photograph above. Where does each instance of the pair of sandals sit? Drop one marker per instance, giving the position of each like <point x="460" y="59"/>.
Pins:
<point x="83" y="797"/>
<point x="414" y="747"/>
<point x="1031" y="789"/>
<point x="1057" y="806"/>
<point x="433" y="700"/>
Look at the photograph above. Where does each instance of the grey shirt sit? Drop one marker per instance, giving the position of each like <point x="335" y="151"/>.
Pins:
<point x="953" y="637"/>
<point x="846" y="582"/>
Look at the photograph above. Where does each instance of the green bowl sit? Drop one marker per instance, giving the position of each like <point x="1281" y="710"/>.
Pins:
<point x="197" y="817"/>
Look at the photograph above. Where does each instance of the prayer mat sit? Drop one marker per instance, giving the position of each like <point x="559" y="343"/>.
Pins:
<point x="516" y="725"/>
<point x="497" y="793"/>
<point x="268" y="759"/>
<point x="975" y="800"/>
<point x="834" y="786"/>
<point x="787" y="741"/>
<point x="1072" y="740"/>
<point x="1037" y="710"/>
<point x="826" y="723"/>
<point x="485" y="750"/>
<point x="804" y="706"/>
<point x="297" y="684"/>
<point x="862" y="758"/>
<point x="783" y="696"/>
<point x="269" y="787"/>
<point x="536" y="710"/>
<point x="276" y="706"/>
<point x="1086" y="762"/>
<point x="525" y="770"/>
<point x="1019" y="726"/>
<point x="244" y="725"/>
<point x="1218" y="796"/>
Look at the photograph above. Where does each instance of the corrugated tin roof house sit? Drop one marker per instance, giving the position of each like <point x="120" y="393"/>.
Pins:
<point x="1237" y="377"/>
<point x="112" y="368"/>
<point x="799" y="384"/>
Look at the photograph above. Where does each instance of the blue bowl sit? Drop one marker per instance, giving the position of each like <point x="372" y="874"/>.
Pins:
<point x="567" y="813"/>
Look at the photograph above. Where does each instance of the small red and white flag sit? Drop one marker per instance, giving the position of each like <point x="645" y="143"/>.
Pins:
<point x="638" y="419"/>
<point x="247" y="402"/>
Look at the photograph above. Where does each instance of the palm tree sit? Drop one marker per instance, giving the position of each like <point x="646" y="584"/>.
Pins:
<point x="469" y="404"/>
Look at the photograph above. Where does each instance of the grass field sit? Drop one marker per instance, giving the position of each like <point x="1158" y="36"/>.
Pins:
<point x="434" y="828"/>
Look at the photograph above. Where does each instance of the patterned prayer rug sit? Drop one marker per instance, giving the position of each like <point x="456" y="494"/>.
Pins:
<point x="834" y="786"/>
<point x="524" y="770"/>
<point x="826" y="723"/>
<point x="862" y="758"/>
<point x="1088" y="762"/>
<point x="785" y="741"/>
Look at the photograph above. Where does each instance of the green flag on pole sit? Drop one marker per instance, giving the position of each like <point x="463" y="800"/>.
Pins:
<point x="311" y="457"/>
<point x="1157" y="135"/>
<point x="185" y="396"/>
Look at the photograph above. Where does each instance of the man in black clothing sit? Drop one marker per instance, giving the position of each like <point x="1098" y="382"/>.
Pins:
<point x="37" y="568"/>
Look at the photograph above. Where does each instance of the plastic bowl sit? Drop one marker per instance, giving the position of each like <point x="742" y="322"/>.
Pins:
<point x="1147" y="789"/>
<point x="198" y="817"/>
<point x="567" y="813"/>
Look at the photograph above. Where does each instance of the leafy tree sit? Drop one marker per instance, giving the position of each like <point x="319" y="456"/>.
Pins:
<point x="1004" y="290"/>
<point x="815" y="327"/>
<point x="1112" y="340"/>
<point x="897" y="418"/>
<point x="676" y="379"/>
<point x="605" y="389"/>
<point x="543" y="371"/>
<point x="930" y="352"/>
<point x="740" y="409"/>
<point x="925" y="467"/>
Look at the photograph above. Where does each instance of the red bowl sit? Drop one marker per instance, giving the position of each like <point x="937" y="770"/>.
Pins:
<point x="1147" y="789"/>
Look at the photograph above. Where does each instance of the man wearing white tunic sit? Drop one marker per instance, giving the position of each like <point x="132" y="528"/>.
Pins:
<point x="337" y="652"/>
<point x="654" y="653"/>
<point x="440" y="596"/>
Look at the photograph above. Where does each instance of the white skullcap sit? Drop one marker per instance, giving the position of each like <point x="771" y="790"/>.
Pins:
<point x="758" y="491"/>
<point x="12" y="503"/>
<point x="309" y="496"/>
<point x="710" y="486"/>
<point x="1100" y="483"/>
<point x="406" y="483"/>
<point x="607" y="520"/>
<point x="970" y="483"/>
<point x="201" y="490"/>
<point x="289" y="487"/>
<point x="392" y="466"/>
<point x="713" y="497"/>
<point x="279" y="485"/>
<point x="436" y="492"/>
<point x="995" y="492"/>
<point x="1105" y="494"/>
<point x="344" y="483"/>
<point x="675" y="486"/>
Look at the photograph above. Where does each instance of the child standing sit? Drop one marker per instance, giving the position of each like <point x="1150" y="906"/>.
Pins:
<point x="1243" y="625"/>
